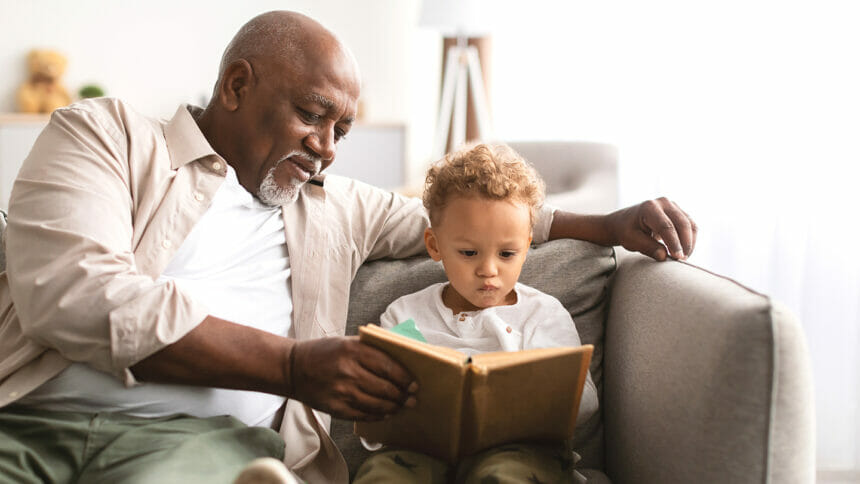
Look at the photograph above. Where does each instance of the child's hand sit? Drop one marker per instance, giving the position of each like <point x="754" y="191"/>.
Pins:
<point x="349" y="379"/>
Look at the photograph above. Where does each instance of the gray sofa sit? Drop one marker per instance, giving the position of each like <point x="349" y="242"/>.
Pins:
<point x="700" y="378"/>
<point x="580" y="176"/>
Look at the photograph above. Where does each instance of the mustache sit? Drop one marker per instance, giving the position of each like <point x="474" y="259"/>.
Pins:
<point x="315" y="161"/>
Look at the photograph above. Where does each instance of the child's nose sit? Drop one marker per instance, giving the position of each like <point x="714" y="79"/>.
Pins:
<point x="487" y="268"/>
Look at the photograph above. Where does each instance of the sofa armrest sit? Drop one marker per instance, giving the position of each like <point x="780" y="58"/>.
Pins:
<point x="704" y="381"/>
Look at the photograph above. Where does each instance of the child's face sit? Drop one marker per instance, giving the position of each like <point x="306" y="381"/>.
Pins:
<point x="482" y="244"/>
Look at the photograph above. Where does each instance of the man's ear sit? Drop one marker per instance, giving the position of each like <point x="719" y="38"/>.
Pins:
<point x="432" y="244"/>
<point x="235" y="83"/>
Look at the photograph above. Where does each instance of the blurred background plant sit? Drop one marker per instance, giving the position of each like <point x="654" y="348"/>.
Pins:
<point x="91" y="90"/>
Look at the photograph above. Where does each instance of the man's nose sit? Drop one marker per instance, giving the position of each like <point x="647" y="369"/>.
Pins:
<point x="322" y="144"/>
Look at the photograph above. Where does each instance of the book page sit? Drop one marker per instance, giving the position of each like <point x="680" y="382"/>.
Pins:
<point x="372" y="333"/>
<point x="499" y="359"/>
<point x="526" y="395"/>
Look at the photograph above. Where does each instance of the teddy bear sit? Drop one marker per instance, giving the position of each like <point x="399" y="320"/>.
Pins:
<point x="42" y="92"/>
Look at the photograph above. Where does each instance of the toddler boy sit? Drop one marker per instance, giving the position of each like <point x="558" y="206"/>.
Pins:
<point x="482" y="203"/>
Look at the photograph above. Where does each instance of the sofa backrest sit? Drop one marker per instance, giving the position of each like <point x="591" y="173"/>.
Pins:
<point x="576" y="273"/>
<point x="580" y="176"/>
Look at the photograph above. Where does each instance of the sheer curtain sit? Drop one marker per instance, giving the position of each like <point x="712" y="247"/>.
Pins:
<point x="745" y="113"/>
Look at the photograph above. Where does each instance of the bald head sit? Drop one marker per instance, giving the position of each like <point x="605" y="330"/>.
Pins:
<point x="283" y="39"/>
<point x="287" y="92"/>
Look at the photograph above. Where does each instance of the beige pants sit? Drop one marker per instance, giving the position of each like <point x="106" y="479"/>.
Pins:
<point x="510" y="463"/>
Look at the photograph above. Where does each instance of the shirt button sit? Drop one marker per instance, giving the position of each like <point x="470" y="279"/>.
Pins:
<point x="509" y="329"/>
<point x="13" y="394"/>
<point x="198" y="196"/>
<point x="462" y="318"/>
<point x="216" y="166"/>
<point x="166" y="243"/>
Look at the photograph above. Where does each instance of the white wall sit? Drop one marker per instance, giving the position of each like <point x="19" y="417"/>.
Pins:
<point x="158" y="54"/>
<point x="747" y="113"/>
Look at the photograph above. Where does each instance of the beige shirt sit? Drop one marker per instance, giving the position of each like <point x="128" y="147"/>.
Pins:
<point x="99" y="208"/>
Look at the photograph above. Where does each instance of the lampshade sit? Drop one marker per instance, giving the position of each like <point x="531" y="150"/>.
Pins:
<point x="469" y="18"/>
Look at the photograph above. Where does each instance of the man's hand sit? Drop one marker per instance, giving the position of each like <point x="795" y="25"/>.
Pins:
<point x="349" y="379"/>
<point x="652" y="227"/>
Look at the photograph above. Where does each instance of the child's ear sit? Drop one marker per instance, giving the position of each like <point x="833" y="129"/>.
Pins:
<point x="432" y="244"/>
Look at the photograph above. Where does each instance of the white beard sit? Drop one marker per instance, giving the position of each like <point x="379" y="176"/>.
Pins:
<point x="274" y="195"/>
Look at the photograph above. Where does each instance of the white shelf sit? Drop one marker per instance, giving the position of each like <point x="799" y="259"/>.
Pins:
<point x="18" y="132"/>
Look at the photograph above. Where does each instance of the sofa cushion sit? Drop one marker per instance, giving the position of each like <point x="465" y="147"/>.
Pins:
<point x="576" y="273"/>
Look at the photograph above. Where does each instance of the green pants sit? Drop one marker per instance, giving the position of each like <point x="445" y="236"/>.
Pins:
<point x="39" y="446"/>
<point x="512" y="463"/>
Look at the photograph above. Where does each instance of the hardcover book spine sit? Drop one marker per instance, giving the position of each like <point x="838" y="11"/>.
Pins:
<point x="475" y="406"/>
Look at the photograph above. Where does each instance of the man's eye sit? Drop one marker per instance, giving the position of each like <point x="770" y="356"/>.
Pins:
<point x="505" y="254"/>
<point x="469" y="253"/>
<point x="339" y="135"/>
<point x="309" y="116"/>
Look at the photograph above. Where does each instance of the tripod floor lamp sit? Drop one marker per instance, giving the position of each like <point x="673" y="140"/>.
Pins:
<point x="462" y="73"/>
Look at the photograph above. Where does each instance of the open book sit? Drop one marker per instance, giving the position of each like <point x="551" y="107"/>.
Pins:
<point x="468" y="404"/>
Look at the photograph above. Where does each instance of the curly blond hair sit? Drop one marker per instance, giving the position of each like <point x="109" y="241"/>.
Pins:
<point x="495" y="172"/>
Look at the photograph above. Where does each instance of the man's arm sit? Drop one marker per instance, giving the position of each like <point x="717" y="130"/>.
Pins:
<point x="79" y="289"/>
<point x="644" y="228"/>
<point x="339" y="376"/>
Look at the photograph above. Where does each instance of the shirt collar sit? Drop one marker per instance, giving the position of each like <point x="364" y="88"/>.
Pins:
<point x="185" y="141"/>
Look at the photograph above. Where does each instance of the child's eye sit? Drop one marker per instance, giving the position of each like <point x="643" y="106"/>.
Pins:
<point x="507" y="254"/>
<point x="469" y="253"/>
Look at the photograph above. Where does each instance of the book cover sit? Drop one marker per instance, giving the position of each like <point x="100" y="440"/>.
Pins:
<point x="465" y="404"/>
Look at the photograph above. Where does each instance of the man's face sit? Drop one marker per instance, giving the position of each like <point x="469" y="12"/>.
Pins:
<point x="482" y="244"/>
<point x="291" y="123"/>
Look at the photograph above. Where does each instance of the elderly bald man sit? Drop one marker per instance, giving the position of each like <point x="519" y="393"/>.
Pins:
<point x="176" y="293"/>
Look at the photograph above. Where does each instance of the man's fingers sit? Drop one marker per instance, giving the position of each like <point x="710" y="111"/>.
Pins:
<point x="370" y="405"/>
<point x="694" y="232"/>
<point x="327" y="374"/>
<point x="383" y="366"/>
<point x="683" y="227"/>
<point x="642" y="242"/>
<point x="671" y="225"/>
<point x="657" y="228"/>
<point x="658" y="223"/>
<point x="380" y="387"/>
<point x="370" y="397"/>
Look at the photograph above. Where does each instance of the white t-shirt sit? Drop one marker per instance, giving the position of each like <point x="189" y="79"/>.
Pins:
<point x="235" y="262"/>
<point x="536" y="320"/>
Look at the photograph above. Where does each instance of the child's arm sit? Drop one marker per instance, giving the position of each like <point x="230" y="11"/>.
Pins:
<point x="410" y="306"/>
<point x="388" y="320"/>
<point x="552" y="326"/>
